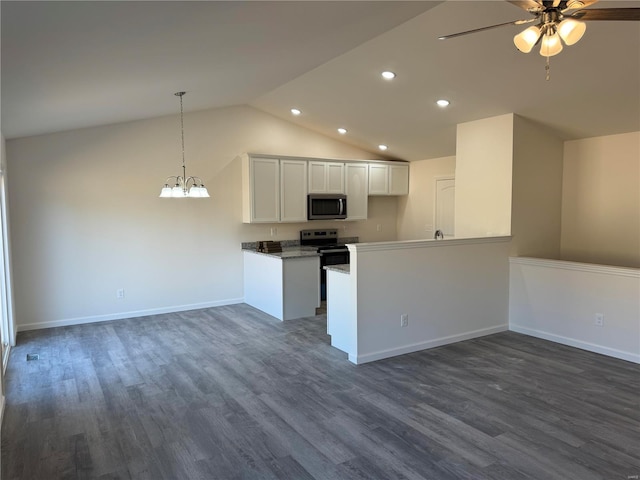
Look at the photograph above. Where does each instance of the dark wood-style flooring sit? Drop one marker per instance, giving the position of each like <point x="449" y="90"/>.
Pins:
<point x="231" y="393"/>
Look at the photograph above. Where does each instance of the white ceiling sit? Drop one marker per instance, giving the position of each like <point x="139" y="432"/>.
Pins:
<point x="68" y="65"/>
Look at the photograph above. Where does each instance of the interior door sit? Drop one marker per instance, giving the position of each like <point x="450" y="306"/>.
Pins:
<point x="444" y="205"/>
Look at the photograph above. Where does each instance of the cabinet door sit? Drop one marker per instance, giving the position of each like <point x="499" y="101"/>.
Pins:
<point x="293" y="191"/>
<point x="264" y="189"/>
<point x="378" y="179"/>
<point x="398" y="179"/>
<point x="335" y="177"/>
<point x="317" y="177"/>
<point x="357" y="183"/>
<point x="326" y="177"/>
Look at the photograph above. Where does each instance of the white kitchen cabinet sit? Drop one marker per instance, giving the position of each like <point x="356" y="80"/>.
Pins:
<point x="378" y="179"/>
<point x="385" y="179"/>
<point x="260" y="190"/>
<point x="326" y="177"/>
<point x="398" y="179"/>
<point x="357" y="184"/>
<point x="273" y="190"/>
<point x="293" y="191"/>
<point x="285" y="288"/>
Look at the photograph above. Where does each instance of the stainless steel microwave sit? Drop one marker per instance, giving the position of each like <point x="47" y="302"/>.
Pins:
<point x="326" y="206"/>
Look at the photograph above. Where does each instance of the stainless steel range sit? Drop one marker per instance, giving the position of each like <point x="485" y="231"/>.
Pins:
<point x="331" y="252"/>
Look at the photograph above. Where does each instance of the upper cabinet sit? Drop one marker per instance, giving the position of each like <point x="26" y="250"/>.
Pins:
<point x="326" y="177"/>
<point x="357" y="182"/>
<point x="293" y="191"/>
<point x="273" y="190"/>
<point x="260" y="190"/>
<point x="388" y="179"/>
<point x="378" y="179"/>
<point x="398" y="179"/>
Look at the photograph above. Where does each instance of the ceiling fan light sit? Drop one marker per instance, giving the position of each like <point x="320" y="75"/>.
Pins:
<point x="551" y="45"/>
<point x="526" y="39"/>
<point x="571" y="30"/>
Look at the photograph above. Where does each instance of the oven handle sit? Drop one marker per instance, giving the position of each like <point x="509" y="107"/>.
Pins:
<point x="337" y="250"/>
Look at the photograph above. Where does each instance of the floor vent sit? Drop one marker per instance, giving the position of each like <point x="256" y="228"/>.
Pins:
<point x="32" y="356"/>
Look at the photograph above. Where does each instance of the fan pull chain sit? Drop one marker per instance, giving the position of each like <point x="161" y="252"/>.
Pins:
<point x="548" y="69"/>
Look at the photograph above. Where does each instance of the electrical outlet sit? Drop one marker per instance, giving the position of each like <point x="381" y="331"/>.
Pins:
<point x="120" y="293"/>
<point x="274" y="232"/>
<point x="599" y="319"/>
<point x="378" y="227"/>
<point x="404" y="320"/>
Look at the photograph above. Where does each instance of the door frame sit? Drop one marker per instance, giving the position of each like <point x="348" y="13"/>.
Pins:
<point x="436" y="178"/>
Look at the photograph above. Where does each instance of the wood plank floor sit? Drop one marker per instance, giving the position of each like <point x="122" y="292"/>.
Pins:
<point x="230" y="393"/>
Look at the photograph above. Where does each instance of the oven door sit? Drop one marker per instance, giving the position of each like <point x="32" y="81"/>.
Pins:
<point x="330" y="257"/>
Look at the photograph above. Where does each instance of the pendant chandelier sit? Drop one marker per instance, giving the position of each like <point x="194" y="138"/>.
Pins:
<point x="184" y="187"/>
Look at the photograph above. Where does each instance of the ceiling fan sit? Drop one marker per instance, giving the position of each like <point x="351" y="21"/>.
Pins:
<point x="557" y="21"/>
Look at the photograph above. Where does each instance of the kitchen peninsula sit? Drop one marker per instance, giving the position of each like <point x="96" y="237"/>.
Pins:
<point x="401" y="297"/>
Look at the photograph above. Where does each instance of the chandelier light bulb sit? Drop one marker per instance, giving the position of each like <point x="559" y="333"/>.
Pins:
<point x="551" y="45"/>
<point x="526" y="40"/>
<point x="571" y="31"/>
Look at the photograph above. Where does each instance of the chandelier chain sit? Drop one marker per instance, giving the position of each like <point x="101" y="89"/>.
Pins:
<point x="180" y="94"/>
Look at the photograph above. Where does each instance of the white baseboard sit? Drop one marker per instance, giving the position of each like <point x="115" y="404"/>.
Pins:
<point x="572" y="342"/>
<point x="415" y="347"/>
<point x="123" y="315"/>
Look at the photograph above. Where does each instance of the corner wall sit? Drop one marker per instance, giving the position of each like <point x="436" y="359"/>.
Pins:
<point x="601" y="200"/>
<point x="536" y="202"/>
<point x="484" y="158"/>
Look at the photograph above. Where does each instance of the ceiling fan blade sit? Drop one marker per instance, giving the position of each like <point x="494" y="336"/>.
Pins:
<point x="577" y="4"/>
<point x="531" y="6"/>
<point x="517" y="22"/>
<point x="608" y="14"/>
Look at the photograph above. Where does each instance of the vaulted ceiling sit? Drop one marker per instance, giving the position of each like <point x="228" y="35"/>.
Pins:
<point x="68" y="65"/>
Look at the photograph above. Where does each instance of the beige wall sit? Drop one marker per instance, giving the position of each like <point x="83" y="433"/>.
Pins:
<point x="87" y="220"/>
<point x="601" y="200"/>
<point x="537" y="190"/>
<point x="484" y="157"/>
<point x="416" y="211"/>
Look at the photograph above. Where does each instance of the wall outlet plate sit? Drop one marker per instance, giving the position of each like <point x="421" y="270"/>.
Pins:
<point x="404" y="320"/>
<point x="599" y="319"/>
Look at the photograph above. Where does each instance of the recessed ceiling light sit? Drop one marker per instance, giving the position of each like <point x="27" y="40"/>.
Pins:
<point x="342" y="131"/>
<point x="388" y="75"/>
<point x="443" y="103"/>
<point x="382" y="147"/>
<point x="295" y="111"/>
